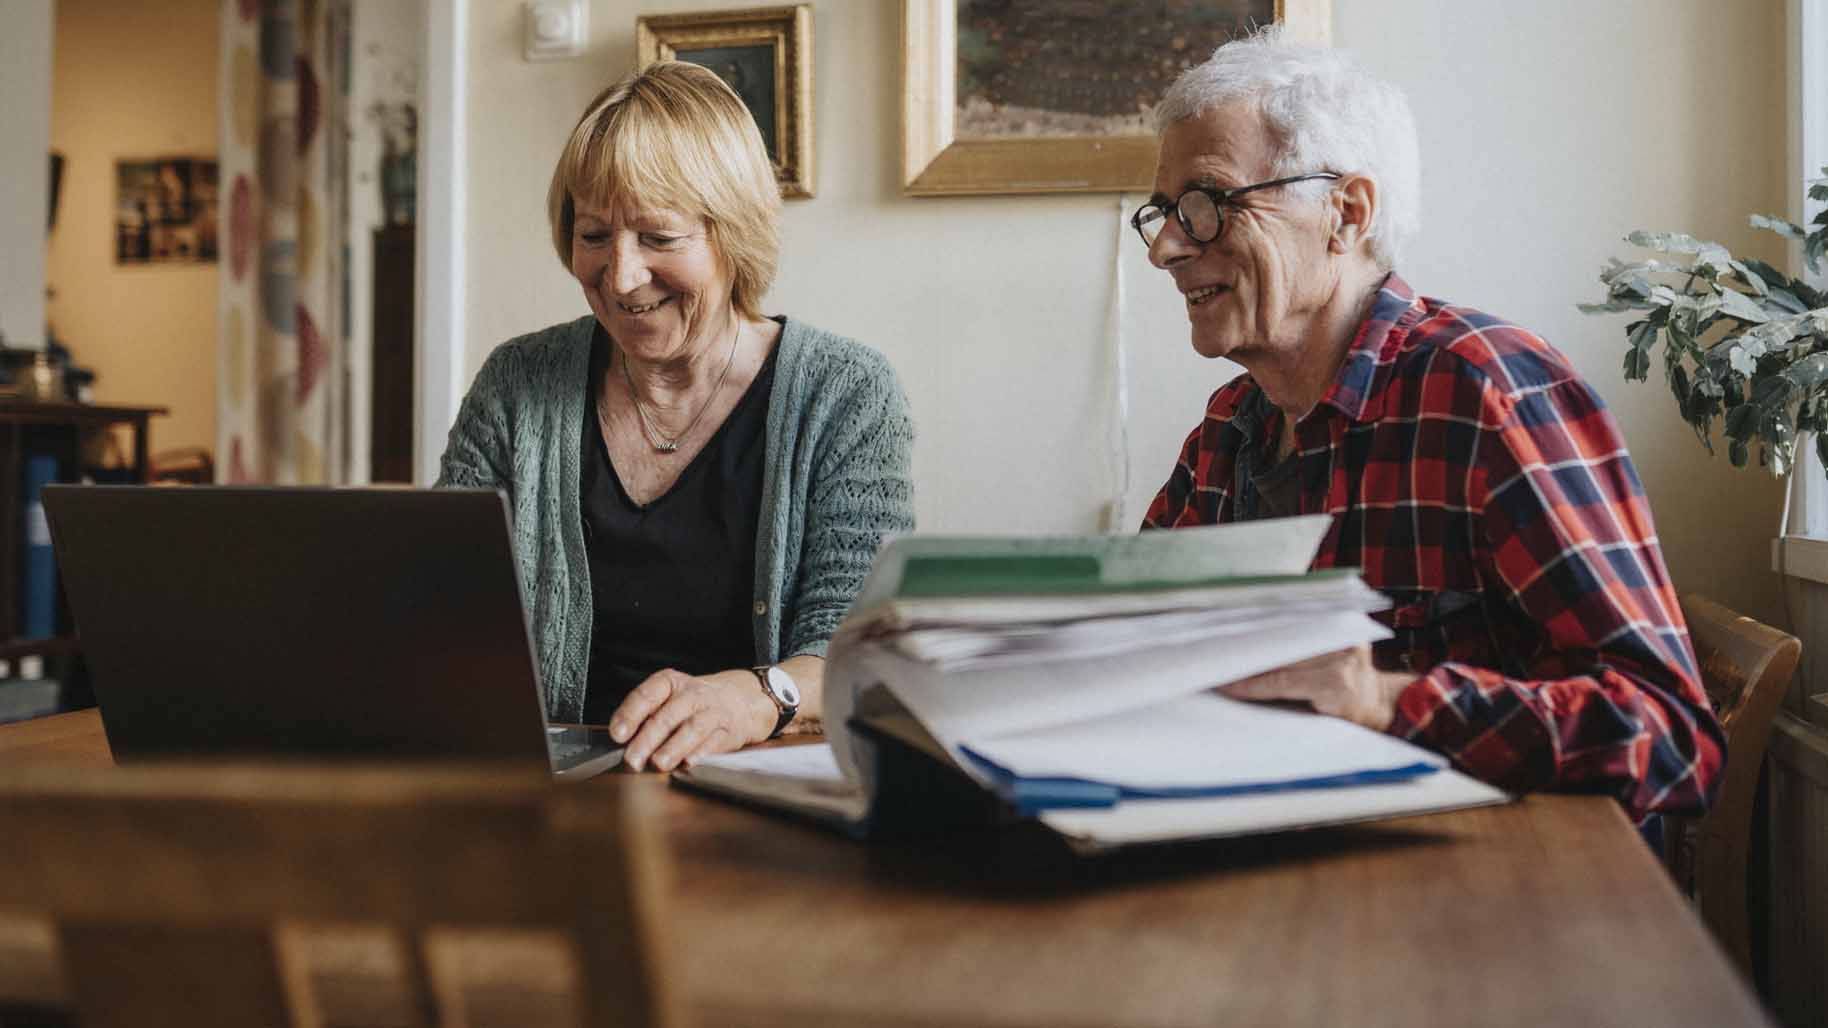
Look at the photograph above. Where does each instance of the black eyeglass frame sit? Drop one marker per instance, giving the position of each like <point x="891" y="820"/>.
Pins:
<point x="1220" y="198"/>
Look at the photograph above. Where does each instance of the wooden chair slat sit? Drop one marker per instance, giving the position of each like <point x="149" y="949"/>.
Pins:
<point x="1746" y="668"/>
<point x="193" y="868"/>
<point x="140" y="976"/>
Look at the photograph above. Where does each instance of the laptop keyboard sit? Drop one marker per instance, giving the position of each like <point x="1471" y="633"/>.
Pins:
<point x="566" y="752"/>
<point x="572" y="747"/>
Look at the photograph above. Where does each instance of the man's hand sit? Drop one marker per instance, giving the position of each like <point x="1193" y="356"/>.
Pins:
<point x="1343" y="683"/>
<point x="673" y="717"/>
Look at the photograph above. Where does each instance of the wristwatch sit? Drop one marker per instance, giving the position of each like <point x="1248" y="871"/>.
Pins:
<point x="778" y="686"/>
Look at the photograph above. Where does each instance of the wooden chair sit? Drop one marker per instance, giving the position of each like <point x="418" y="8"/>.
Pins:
<point x="176" y="892"/>
<point x="1746" y="668"/>
<point x="185" y="465"/>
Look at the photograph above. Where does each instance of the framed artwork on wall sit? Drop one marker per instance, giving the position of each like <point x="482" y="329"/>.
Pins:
<point x="165" y="211"/>
<point x="1037" y="96"/>
<point x="765" y="54"/>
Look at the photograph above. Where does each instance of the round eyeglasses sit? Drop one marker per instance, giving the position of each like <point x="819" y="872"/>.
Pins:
<point x="1201" y="211"/>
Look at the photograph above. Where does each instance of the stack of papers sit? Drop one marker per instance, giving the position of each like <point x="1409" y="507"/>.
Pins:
<point x="1073" y="679"/>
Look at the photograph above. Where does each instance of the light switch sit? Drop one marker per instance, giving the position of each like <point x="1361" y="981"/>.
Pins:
<point x="554" y="29"/>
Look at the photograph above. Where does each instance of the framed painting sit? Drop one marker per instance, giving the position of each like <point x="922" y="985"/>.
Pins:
<point x="165" y="211"/>
<point x="765" y="54"/>
<point x="1038" y="96"/>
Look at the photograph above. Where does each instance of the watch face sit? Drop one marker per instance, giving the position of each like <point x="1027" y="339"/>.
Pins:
<point x="781" y="684"/>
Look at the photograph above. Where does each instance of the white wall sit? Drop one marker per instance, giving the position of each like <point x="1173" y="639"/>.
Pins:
<point x="1591" y="120"/>
<point x="1549" y="129"/>
<point x="25" y="145"/>
<point x="386" y="40"/>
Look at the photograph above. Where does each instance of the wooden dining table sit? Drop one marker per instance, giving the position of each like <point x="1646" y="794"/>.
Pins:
<point x="1547" y="911"/>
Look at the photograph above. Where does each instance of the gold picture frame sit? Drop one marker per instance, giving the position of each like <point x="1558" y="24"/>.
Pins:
<point x="765" y="54"/>
<point x="935" y="162"/>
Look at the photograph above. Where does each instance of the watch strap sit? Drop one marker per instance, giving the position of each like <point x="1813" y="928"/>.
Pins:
<point x="785" y="712"/>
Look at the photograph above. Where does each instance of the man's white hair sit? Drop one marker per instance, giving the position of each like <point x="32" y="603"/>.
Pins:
<point x="1324" y="113"/>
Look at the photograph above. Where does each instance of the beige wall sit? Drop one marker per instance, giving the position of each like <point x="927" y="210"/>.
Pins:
<point x="134" y="80"/>
<point x="1549" y="130"/>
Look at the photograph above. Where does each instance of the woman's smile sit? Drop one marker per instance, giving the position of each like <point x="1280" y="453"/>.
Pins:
<point x="638" y="309"/>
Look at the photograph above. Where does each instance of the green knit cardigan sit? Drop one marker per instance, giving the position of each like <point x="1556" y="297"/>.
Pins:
<point x="835" y="483"/>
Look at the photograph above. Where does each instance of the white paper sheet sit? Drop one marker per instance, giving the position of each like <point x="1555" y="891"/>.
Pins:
<point x="1039" y="695"/>
<point x="972" y="646"/>
<point x="813" y="763"/>
<point x="988" y="612"/>
<point x="802" y="778"/>
<point x="1202" y="740"/>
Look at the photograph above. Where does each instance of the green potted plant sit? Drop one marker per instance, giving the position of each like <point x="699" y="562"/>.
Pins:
<point x="1742" y="341"/>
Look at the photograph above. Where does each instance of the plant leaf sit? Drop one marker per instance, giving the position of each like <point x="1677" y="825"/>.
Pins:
<point x="1738" y="305"/>
<point x="1667" y="242"/>
<point x="1702" y="408"/>
<point x="1772" y="336"/>
<point x="1637" y="365"/>
<point x="1784" y="298"/>
<point x="1808" y="373"/>
<point x="1643" y="336"/>
<point x="1617" y="270"/>
<point x="1781" y="226"/>
<point x="1753" y="280"/>
<point x="1741" y="358"/>
<point x="1772" y="391"/>
<point x="1741" y="421"/>
<point x="1612" y="307"/>
<point x="1768" y="273"/>
<point x="1681" y="345"/>
<point x="1712" y="259"/>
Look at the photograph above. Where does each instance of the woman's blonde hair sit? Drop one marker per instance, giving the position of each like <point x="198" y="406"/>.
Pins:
<point x="674" y="136"/>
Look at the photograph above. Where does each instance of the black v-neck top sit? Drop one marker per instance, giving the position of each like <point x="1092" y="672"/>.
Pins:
<point x="671" y="583"/>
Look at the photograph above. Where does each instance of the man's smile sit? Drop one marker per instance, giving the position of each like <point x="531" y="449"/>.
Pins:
<point x="1195" y="297"/>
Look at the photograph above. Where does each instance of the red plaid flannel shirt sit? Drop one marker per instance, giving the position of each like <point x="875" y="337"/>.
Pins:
<point x="1481" y="484"/>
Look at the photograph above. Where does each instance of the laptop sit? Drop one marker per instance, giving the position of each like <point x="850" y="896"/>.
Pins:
<point x="308" y="622"/>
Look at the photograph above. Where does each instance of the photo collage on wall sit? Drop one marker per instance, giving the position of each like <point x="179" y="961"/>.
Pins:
<point x="165" y="211"/>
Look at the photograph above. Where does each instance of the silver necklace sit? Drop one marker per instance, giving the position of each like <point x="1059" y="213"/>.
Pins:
<point x="661" y="443"/>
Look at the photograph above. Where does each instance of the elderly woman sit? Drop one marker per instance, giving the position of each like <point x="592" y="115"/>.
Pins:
<point x="1468" y="469"/>
<point x="698" y="490"/>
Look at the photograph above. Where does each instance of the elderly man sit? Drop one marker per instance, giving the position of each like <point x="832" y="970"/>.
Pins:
<point x="1471" y="474"/>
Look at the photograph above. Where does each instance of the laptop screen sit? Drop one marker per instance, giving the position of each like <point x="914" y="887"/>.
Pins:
<point x="300" y="621"/>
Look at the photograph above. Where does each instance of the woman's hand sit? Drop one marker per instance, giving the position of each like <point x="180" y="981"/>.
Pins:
<point x="673" y="717"/>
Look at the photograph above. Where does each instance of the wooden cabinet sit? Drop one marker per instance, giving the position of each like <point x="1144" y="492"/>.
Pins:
<point x="390" y="441"/>
<point x="31" y="427"/>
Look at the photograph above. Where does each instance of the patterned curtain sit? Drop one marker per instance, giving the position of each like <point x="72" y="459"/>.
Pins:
<point x="284" y="159"/>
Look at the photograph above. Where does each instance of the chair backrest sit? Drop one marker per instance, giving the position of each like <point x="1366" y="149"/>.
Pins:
<point x="1746" y="668"/>
<point x="187" y="465"/>
<point x="172" y="888"/>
